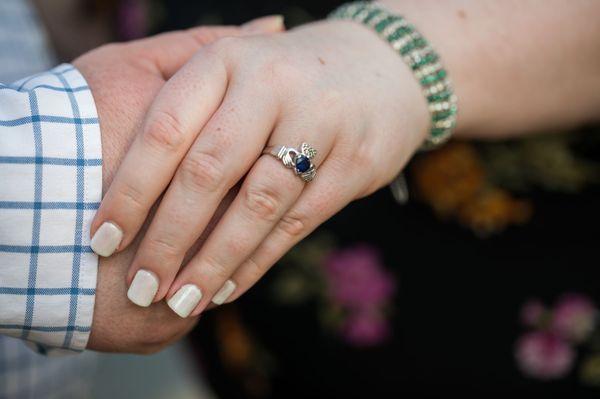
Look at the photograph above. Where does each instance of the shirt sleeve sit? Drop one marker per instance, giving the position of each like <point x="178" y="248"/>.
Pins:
<point x="50" y="188"/>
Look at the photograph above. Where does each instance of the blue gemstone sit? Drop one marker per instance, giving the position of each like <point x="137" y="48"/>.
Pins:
<point x="302" y="164"/>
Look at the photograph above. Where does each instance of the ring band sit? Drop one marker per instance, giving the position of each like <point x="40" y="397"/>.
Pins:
<point x="300" y="161"/>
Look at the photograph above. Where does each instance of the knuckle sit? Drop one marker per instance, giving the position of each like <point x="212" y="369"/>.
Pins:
<point x="364" y="154"/>
<point x="356" y="156"/>
<point x="263" y="203"/>
<point x="294" y="225"/>
<point x="130" y="198"/>
<point x="236" y="247"/>
<point x="256" y="269"/>
<point x="165" y="131"/>
<point x="202" y="172"/>
<point x="217" y="269"/>
<point x="279" y="72"/>
<point x="223" y="48"/>
<point x="202" y="35"/>
<point x="227" y="44"/>
<point x="163" y="248"/>
<point x="332" y="100"/>
<point x="362" y="158"/>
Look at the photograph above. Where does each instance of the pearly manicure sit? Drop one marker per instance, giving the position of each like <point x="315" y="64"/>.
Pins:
<point x="224" y="293"/>
<point x="107" y="239"/>
<point x="143" y="288"/>
<point x="185" y="300"/>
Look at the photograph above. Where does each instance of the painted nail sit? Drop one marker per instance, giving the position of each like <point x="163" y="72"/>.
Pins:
<point x="107" y="239"/>
<point x="143" y="288"/>
<point x="268" y="24"/>
<point x="224" y="293"/>
<point x="185" y="300"/>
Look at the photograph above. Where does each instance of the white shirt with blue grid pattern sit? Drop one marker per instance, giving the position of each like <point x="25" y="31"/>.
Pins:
<point x="50" y="186"/>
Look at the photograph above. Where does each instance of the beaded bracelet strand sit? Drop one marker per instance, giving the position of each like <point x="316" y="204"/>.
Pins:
<point x="418" y="54"/>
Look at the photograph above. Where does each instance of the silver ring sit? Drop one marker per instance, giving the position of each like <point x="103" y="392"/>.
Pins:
<point x="300" y="161"/>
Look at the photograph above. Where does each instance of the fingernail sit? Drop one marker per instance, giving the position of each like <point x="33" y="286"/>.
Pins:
<point x="143" y="288"/>
<point x="271" y="23"/>
<point x="107" y="239"/>
<point x="224" y="293"/>
<point x="185" y="300"/>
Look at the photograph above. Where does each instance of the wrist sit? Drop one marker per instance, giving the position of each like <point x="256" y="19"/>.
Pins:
<point x="441" y="23"/>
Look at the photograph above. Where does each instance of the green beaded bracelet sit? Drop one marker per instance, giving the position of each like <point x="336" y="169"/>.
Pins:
<point x="419" y="56"/>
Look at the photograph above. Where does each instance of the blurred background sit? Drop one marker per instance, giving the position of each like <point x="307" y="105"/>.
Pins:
<point x="485" y="282"/>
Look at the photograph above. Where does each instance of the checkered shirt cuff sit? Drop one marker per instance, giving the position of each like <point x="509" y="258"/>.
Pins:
<point x="51" y="186"/>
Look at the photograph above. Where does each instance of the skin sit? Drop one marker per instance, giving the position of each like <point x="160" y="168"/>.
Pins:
<point x="340" y="88"/>
<point x="124" y="80"/>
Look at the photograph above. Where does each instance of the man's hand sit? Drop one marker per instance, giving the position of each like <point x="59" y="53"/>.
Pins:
<point x="124" y="79"/>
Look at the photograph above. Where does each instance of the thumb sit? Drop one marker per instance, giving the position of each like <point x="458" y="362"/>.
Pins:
<point x="269" y="24"/>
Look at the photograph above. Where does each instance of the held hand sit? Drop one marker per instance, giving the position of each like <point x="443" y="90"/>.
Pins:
<point x="333" y="85"/>
<point x="119" y="325"/>
<point x="124" y="79"/>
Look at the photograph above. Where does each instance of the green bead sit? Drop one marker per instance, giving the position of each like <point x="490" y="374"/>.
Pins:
<point x="428" y="59"/>
<point x="419" y="42"/>
<point x="433" y="78"/>
<point x="380" y="27"/>
<point x="371" y="15"/>
<point x="398" y="33"/>
<point x="427" y="80"/>
<point x="356" y="12"/>
<point x="439" y="116"/>
<point x="439" y="97"/>
<point x="438" y="131"/>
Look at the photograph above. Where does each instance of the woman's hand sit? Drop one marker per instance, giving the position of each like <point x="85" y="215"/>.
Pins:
<point x="334" y="85"/>
<point x="114" y="73"/>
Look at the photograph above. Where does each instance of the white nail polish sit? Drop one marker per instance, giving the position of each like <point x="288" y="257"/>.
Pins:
<point x="107" y="239"/>
<point x="143" y="288"/>
<point x="185" y="300"/>
<point x="224" y="293"/>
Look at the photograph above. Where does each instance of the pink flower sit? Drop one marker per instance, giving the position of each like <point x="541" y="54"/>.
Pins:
<point x="357" y="278"/>
<point x="532" y="313"/>
<point x="544" y="355"/>
<point x="574" y="317"/>
<point x="365" y="328"/>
